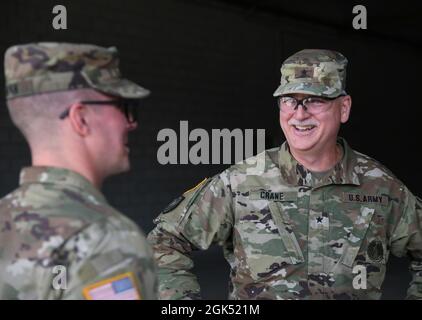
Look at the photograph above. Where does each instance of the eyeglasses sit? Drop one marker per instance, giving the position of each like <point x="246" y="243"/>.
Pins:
<point x="312" y="105"/>
<point x="127" y="106"/>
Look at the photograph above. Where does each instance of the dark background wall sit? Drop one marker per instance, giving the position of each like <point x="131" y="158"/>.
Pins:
<point x="216" y="64"/>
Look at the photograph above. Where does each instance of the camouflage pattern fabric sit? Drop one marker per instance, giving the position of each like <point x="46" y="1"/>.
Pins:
<point x="314" y="71"/>
<point x="57" y="217"/>
<point x="288" y="234"/>
<point x="47" y="66"/>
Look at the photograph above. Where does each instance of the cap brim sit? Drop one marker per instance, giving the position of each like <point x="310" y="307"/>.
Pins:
<point x="308" y="88"/>
<point x="123" y="88"/>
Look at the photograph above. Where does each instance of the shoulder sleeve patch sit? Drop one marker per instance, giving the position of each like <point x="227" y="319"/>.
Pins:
<point x="120" y="287"/>
<point x="173" y="204"/>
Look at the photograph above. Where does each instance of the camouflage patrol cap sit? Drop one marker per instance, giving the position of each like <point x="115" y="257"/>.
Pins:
<point x="36" y="68"/>
<point x="313" y="71"/>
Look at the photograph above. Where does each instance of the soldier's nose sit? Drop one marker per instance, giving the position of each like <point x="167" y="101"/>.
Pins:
<point x="301" y="113"/>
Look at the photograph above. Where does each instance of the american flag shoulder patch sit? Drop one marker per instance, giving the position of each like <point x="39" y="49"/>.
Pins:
<point x="120" y="287"/>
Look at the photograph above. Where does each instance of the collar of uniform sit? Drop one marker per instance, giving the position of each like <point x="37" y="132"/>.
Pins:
<point x="62" y="177"/>
<point x="296" y="174"/>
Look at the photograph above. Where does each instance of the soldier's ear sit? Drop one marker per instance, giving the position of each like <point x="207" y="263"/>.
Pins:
<point x="346" y="106"/>
<point x="78" y="119"/>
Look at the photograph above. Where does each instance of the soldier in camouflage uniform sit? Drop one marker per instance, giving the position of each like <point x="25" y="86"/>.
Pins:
<point x="59" y="237"/>
<point x="312" y="219"/>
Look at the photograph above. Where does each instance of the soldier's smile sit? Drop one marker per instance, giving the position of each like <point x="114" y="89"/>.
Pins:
<point x="126" y="144"/>
<point x="303" y="130"/>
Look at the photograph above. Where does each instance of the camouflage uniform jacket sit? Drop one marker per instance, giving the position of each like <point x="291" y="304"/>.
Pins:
<point x="289" y="235"/>
<point x="58" y="218"/>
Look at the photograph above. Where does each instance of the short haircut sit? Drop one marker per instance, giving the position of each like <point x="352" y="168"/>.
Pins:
<point x="37" y="116"/>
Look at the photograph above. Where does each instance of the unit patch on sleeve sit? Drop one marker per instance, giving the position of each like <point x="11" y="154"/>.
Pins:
<point x="121" y="287"/>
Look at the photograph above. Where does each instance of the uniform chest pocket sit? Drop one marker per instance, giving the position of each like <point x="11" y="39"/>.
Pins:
<point x="357" y="233"/>
<point x="268" y="242"/>
<point x="365" y="253"/>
